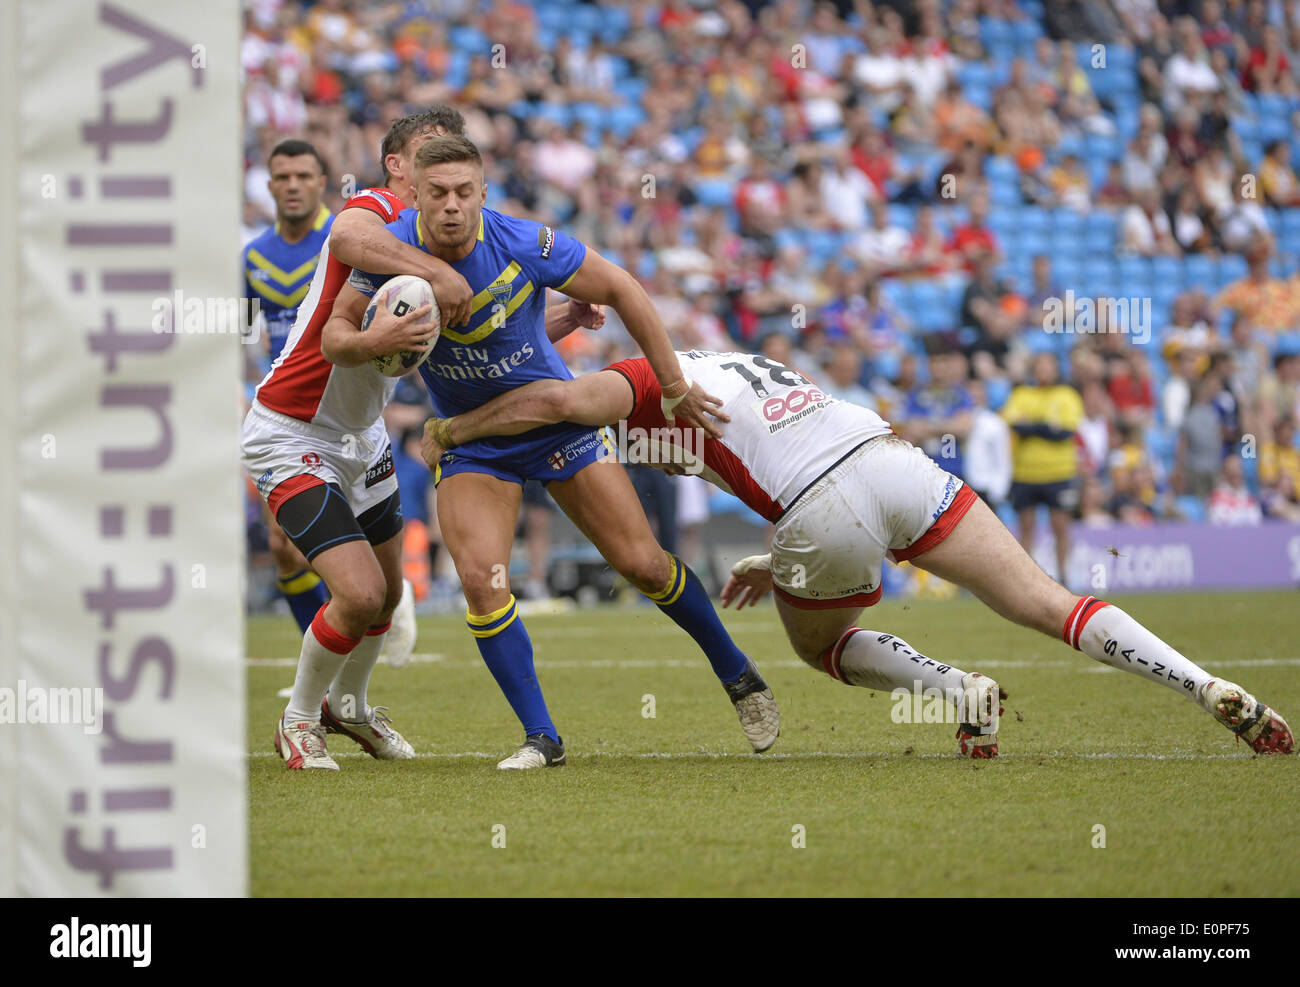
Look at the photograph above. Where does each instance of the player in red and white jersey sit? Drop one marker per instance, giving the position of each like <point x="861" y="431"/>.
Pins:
<point x="844" y="492"/>
<point x="315" y="445"/>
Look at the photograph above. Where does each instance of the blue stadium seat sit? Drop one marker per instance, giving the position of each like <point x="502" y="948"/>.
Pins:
<point x="1192" y="508"/>
<point x="1247" y="128"/>
<point x="1001" y="168"/>
<point x="470" y="40"/>
<point x="1035" y="219"/>
<point x="1004" y="196"/>
<point x="616" y="21"/>
<point x="561" y="113"/>
<point x="632" y="89"/>
<point x="1066" y="224"/>
<point x="714" y="192"/>
<point x="1199" y="270"/>
<point x="992" y="29"/>
<point x="1167" y="270"/>
<point x="624" y="119"/>
<point x="1026" y="30"/>
<point x="1232" y="267"/>
<point x="1098" y="238"/>
<point x="1274" y="128"/>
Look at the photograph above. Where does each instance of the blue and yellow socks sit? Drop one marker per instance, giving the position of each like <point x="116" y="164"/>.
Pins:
<point x="508" y="653"/>
<point x="687" y="602"/>
<point x="306" y="594"/>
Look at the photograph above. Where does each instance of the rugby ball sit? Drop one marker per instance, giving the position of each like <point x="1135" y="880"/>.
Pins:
<point x="402" y="294"/>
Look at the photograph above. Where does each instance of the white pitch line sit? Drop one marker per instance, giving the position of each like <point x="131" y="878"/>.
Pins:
<point x="820" y="755"/>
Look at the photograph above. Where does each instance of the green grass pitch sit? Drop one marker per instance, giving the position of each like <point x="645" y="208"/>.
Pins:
<point x="677" y="805"/>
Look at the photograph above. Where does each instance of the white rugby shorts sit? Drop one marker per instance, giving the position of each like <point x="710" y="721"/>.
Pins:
<point x="284" y="455"/>
<point x="886" y="497"/>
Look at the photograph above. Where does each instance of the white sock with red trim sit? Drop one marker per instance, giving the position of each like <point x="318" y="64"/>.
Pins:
<point x="324" y="652"/>
<point x="1104" y="632"/>
<point x="874" y="660"/>
<point x="347" y="693"/>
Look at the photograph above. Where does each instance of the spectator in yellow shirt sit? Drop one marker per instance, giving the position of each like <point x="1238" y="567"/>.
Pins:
<point x="1044" y="417"/>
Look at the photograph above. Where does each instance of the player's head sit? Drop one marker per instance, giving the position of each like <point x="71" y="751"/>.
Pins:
<point x="1046" y="369"/>
<point x="406" y="135"/>
<point x="449" y="192"/>
<point x="297" y="180"/>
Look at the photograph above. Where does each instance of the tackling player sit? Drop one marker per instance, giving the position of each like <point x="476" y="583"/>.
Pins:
<point x="278" y="269"/>
<point x="843" y="492"/>
<point x="315" y="444"/>
<point x="509" y="263"/>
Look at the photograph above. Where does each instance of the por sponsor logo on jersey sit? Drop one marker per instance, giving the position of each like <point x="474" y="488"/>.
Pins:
<point x="546" y="240"/>
<point x="781" y="410"/>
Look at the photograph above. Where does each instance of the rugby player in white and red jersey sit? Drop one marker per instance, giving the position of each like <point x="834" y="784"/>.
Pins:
<point x="844" y="492"/>
<point x="316" y="446"/>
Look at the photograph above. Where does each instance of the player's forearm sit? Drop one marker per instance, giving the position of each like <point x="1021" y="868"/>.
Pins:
<point x="647" y="330"/>
<point x="369" y="246"/>
<point x="559" y="322"/>
<point x="343" y="344"/>
<point x="521" y="409"/>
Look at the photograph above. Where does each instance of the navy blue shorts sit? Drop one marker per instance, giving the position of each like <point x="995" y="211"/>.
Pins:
<point x="1061" y="496"/>
<point x="557" y="452"/>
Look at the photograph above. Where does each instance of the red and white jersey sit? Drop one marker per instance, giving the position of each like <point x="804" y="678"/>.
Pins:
<point x="301" y="382"/>
<point x="784" y="433"/>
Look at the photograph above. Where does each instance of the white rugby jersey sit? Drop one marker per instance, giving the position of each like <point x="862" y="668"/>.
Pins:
<point x="301" y="382"/>
<point x="784" y="433"/>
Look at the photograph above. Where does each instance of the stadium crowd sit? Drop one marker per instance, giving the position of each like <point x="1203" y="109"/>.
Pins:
<point x="910" y="201"/>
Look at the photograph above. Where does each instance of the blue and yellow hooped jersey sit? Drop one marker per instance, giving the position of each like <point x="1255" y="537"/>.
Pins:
<point x="278" y="275"/>
<point x="504" y="345"/>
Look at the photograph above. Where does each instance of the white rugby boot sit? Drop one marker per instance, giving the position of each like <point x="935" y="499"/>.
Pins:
<point x="759" y="716"/>
<point x="979" y="712"/>
<point x="539" y="751"/>
<point x="375" y="733"/>
<point x="302" y="745"/>
<point x="1258" y="725"/>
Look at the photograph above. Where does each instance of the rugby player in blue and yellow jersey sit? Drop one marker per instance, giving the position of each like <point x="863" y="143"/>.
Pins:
<point x="278" y="268"/>
<point x="509" y="263"/>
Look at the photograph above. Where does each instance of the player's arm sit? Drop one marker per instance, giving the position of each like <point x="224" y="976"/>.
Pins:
<point x="602" y="283"/>
<point x="564" y="317"/>
<point x="595" y="399"/>
<point x="360" y="239"/>
<point x="343" y="343"/>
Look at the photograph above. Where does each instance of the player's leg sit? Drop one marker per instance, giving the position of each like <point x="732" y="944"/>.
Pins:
<point x="477" y="514"/>
<point x="346" y="708"/>
<point x="601" y="501"/>
<point x="831" y="641"/>
<point x="980" y="554"/>
<point x="319" y="519"/>
<point x="302" y="588"/>
<point x="1060" y="519"/>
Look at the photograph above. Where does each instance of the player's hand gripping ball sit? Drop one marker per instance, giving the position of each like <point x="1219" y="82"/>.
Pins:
<point x="402" y="296"/>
